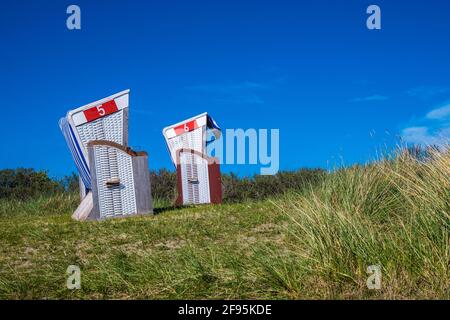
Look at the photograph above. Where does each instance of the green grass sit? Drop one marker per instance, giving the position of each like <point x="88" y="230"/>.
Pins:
<point x="313" y="244"/>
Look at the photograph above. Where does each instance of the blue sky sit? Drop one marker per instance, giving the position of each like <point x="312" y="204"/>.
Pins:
<point x="336" y="90"/>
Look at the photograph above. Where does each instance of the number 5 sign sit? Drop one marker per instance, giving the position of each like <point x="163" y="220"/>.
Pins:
<point x="100" y="111"/>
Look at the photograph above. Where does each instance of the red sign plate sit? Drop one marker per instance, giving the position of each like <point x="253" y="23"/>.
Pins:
<point x="186" y="127"/>
<point x="100" y="111"/>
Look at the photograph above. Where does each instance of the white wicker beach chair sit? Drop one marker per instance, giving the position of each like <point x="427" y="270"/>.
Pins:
<point x="198" y="175"/>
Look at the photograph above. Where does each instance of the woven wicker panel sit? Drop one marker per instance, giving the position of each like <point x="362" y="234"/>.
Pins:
<point x="189" y="140"/>
<point x="128" y="194"/>
<point x="195" y="179"/>
<point x="112" y="163"/>
<point x="107" y="128"/>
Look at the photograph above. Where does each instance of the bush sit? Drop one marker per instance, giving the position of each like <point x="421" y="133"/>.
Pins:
<point x="235" y="189"/>
<point x="22" y="184"/>
<point x="164" y="184"/>
<point x="70" y="183"/>
<point x="257" y="187"/>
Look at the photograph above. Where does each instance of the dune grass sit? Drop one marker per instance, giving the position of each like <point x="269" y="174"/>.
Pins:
<point x="316" y="243"/>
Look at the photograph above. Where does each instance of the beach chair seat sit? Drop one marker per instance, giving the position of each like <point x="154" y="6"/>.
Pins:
<point x="120" y="180"/>
<point x="198" y="178"/>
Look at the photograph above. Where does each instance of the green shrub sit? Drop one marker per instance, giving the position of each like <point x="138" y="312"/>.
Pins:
<point x="164" y="184"/>
<point x="259" y="187"/>
<point x="22" y="184"/>
<point x="235" y="189"/>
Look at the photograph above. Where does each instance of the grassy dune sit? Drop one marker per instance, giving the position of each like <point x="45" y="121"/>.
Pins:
<point x="316" y="243"/>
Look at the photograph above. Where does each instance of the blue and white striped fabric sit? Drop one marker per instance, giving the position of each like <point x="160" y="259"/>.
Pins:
<point x="76" y="151"/>
<point x="214" y="127"/>
<point x="212" y="124"/>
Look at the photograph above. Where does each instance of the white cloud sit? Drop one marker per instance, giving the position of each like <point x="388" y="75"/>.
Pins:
<point x="241" y="99"/>
<point x="375" y="97"/>
<point x="233" y="93"/>
<point x="433" y="132"/>
<point x="426" y="92"/>
<point x="441" y="113"/>
<point x="421" y="136"/>
<point x="434" y="127"/>
<point x="227" y="88"/>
